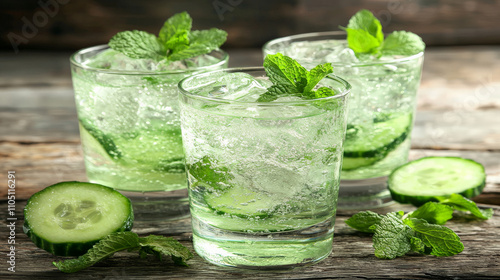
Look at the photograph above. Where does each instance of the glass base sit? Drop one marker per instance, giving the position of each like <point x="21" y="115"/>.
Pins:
<point x="363" y="194"/>
<point x="269" y="251"/>
<point x="156" y="206"/>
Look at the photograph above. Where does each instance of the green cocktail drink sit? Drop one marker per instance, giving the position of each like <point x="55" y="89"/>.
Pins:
<point x="263" y="176"/>
<point x="130" y="128"/>
<point x="381" y="110"/>
<point x="127" y="102"/>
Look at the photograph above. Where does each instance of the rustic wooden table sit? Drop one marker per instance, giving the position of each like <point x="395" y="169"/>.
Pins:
<point x="458" y="115"/>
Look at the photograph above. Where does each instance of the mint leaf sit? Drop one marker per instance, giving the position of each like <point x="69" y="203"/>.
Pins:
<point x="365" y="36"/>
<point x="360" y="41"/>
<point x="433" y="213"/>
<point x="324" y="92"/>
<point x="402" y="43"/>
<point x="174" y="33"/>
<point x="130" y="241"/>
<point x="109" y="245"/>
<point x="275" y="91"/>
<point x="417" y="245"/>
<point x="160" y="245"/>
<point x="292" y="79"/>
<point x="200" y="42"/>
<point x="461" y="203"/>
<point x="284" y="70"/>
<point x="316" y="75"/>
<point x="208" y="171"/>
<point x="364" y="33"/>
<point x="392" y="237"/>
<point x="137" y="44"/>
<point x="364" y="221"/>
<point x="175" y="41"/>
<point x="442" y="240"/>
<point x="365" y="20"/>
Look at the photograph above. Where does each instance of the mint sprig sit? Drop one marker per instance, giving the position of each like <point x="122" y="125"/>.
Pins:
<point x="289" y="78"/>
<point x="119" y="241"/>
<point x="460" y="203"/>
<point x="365" y="36"/>
<point x="420" y="231"/>
<point x="175" y="41"/>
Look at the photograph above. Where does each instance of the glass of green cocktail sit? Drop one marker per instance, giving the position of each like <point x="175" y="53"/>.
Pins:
<point x="381" y="106"/>
<point x="128" y="114"/>
<point x="263" y="168"/>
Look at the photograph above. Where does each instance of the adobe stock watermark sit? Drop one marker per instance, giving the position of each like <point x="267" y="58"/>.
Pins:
<point x="48" y="9"/>
<point x="11" y="220"/>
<point x="223" y="6"/>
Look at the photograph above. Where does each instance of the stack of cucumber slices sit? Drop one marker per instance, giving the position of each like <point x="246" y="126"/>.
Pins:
<point x="428" y="178"/>
<point x="68" y="218"/>
<point x="366" y="145"/>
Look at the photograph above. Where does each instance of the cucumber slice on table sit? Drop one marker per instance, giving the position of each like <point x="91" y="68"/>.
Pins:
<point x="423" y="180"/>
<point x="68" y="218"/>
<point x="368" y="144"/>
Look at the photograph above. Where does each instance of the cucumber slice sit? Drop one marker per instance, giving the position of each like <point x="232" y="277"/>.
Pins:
<point x="423" y="180"/>
<point x="157" y="145"/>
<point x="241" y="202"/>
<point x="98" y="142"/>
<point x="368" y="144"/>
<point x="68" y="218"/>
<point x="354" y="163"/>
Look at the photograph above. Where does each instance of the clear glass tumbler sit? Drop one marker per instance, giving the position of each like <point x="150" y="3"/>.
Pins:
<point x="263" y="177"/>
<point x="381" y="111"/>
<point x="128" y="114"/>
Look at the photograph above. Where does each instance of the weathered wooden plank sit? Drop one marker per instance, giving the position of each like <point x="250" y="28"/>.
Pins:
<point x="38" y="165"/>
<point x="352" y="255"/>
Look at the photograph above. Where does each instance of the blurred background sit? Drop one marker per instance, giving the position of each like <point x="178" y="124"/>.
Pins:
<point x="74" y="24"/>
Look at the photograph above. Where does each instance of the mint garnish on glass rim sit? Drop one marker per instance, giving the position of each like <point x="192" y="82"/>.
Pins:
<point x="364" y="36"/>
<point x="289" y="78"/>
<point x="175" y="41"/>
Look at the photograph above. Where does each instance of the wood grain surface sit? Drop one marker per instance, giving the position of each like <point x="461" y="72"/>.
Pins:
<point x="458" y="115"/>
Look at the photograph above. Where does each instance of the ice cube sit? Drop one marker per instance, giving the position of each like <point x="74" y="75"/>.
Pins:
<point x="236" y="86"/>
<point x="116" y="108"/>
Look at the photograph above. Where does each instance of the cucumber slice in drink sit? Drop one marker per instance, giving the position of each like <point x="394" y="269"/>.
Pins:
<point x="98" y="142"/>
<point x="423" y="180"/>
<point x="368" y="144"/>
<point x="158" y="145"/>
<point x="68" y="218"/>
<point x="241" y="202"/>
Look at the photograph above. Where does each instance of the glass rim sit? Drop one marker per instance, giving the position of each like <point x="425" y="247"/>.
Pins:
<point x="75" y="62"/>
<point x="184" y="92"/>
<point x="304" y="36"/>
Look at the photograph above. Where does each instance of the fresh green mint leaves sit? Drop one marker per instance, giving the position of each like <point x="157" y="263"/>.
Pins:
<point x="460" y="203"/>
<point x="364" y="36"/>
<point x="292" y="79"/>
<point x="175" y="41"/>
<point x="420" y="231"/>
<point x="119" y="241"/>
